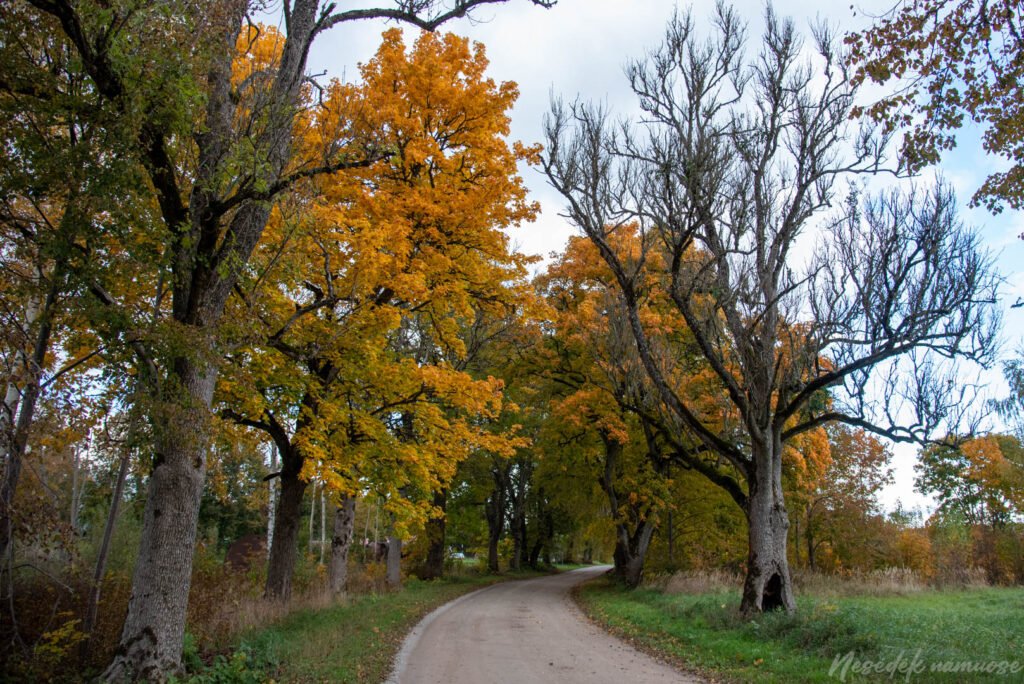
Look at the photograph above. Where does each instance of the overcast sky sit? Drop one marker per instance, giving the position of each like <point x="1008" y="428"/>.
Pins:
<point x="579" y="47"/>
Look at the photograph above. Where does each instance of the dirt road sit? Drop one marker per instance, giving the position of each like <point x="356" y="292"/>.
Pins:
<point x="522" y="632"/>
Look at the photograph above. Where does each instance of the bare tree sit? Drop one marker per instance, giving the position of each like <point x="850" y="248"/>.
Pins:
<point x="730" y="166"/>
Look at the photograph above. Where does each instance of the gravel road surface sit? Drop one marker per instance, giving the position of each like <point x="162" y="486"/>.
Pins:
<point x="523" y="632"/>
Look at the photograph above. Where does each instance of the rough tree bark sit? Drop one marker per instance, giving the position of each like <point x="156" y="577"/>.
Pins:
<point x="213" y="219"/>
<point x="287" y="518"/>
<point x="720" y="209"/>
<point x="394" y="565"/>
<point x="433" y="565"/>
<point x="768" y="584"/>
<point x="341" y="542"/>
<point x="154" y="629"/>
<point x="494" y="510"/>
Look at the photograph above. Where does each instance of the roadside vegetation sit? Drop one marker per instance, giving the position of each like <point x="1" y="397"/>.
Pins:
<point x="693" y="621"/>
<point x="352" y="640"/>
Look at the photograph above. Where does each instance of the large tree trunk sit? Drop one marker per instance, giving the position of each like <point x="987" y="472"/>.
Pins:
<point x="281" y="562"/>
<point x="433" y="565"/>
<point x="631" y="552"/>
<point x="495" y="512"/>
<point x="341" y="542"/>
<point x="151" y="641"/>
<point x="768" y="584"/>
<point x="630" y="547"/>
<point x="394" y="577"/>
<point x="534" y="558"/>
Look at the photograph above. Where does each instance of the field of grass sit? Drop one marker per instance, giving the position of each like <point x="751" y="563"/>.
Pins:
<point x="908" y="634"/>
<point x="351" y="641"/>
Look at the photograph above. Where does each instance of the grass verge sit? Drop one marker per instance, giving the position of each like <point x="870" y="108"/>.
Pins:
<point x="351" y="641"/>
<point x="928" y="633"/>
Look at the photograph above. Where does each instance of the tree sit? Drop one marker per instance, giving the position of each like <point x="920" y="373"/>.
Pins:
<point x="213" y="162"/>
<point x="602" y="398"/>
<point x="953" y="61"/>
<point x="60" y="236"/>
<point x="723" y="175"/>
<point x="840" y="498"/>
<point x="405" y="250"/>
<point x="981" y="480"/>
<point x="1011" y="407"/>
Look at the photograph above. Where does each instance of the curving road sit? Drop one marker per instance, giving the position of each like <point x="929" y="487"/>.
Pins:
<point x="522" y="632"/>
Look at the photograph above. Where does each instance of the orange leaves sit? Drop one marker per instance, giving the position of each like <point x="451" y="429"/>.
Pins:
<point x="353" y="318"/>
<point x="995" y="463"/>
<point x="806" y="459"/>
<point x="257" y="52"/>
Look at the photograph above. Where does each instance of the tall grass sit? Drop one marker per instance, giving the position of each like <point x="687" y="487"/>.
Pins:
<point x="882" y="582"/>
<point x="694" y="619"/>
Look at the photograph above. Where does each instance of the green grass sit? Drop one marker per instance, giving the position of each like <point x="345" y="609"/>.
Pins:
<point x="354" y="641"/>
<point x="704" y="632"/>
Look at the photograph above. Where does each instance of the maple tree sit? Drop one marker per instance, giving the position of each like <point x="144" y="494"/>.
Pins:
<point x="721" y="177"/>
<point x="602" y="394"/>
<point x="835" y="499"/>
<point x="362" y="354"/>
<point x="952" y="61"/>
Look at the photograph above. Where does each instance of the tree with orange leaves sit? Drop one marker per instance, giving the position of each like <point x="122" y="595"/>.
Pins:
<point x="954" y="61"/>
<point x="836" y="492"/>
<point x="602" y="395"/>
<point x="980" y="479"/>
<point x="364" y="280"/>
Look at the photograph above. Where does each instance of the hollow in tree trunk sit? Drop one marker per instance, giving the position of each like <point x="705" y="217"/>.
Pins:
<point x="768" y="584"/>
<point x="341" y="542"/>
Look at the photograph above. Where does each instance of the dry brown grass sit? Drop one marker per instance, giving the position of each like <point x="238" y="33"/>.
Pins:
<point x="216" y="621"/>
<point x="883" y="582"/>
<point x="696" y="582"/>
<point x="886" y="582"/>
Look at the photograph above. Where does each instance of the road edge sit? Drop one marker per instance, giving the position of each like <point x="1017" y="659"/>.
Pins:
<point x="680" y="664"/>
<point x="413" y="637"/>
